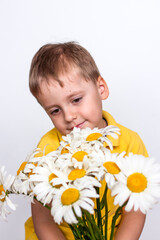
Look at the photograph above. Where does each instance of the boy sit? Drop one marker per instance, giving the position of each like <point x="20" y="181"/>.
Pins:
<point x="66" y="82"/>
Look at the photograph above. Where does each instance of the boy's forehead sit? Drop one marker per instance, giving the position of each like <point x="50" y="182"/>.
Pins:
<point x="64" y="80"/>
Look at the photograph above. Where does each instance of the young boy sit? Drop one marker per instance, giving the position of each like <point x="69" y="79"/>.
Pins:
<point x="67" y="83"/>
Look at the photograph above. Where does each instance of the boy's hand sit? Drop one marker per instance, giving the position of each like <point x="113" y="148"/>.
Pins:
<point x="45" y="227"/>
<point x="131" y="225"/>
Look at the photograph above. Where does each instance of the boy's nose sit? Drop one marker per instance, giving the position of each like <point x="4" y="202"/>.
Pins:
<point x="69" y="115"/>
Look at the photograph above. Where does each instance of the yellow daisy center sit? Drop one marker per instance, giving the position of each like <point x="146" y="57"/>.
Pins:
<point x="111" y="167"/>
<point x="93" y="136"/>
<point x="65" y="150"/>
<point x="51" y="176"/>
<point x="31" y="172"/>
<point x="70" y="196"/>
<point x="79" y="155"/>
<point x="137" y="182"/>
<point x="21" y="168"/>
<point x="2" y="190"/>
<point x="76" y="173"/>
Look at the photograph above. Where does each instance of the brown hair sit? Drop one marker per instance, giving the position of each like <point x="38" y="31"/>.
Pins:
<point x="54" y="59"/>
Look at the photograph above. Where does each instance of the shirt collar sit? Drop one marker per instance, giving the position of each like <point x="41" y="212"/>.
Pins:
<point x="110" y="120"/>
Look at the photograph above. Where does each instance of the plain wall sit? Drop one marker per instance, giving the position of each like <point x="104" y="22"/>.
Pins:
<point x="122" y="36"/>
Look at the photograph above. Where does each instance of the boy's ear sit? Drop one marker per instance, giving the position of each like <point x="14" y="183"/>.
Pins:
<point x="102" y="88"/>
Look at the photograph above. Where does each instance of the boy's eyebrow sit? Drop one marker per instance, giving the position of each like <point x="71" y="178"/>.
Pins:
<point x="48" y="107"/>
<point x="73" y="94"/>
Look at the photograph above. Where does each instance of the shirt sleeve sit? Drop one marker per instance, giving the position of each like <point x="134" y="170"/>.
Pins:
<point x="138" y="146"/>
<point x="48" y="143"/>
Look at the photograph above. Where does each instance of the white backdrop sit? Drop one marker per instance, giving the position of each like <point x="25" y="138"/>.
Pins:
<point x="122" y="36"/>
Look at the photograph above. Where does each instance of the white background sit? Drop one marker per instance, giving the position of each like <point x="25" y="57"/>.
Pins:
<point x="123" y="36"/>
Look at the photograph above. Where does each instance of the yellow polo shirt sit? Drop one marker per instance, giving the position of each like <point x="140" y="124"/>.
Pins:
<point x="127" y="141"/>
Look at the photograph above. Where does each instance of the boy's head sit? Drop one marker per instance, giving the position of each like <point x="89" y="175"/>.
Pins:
<point x="66" y="82"/>
<point x="53" y="60"/>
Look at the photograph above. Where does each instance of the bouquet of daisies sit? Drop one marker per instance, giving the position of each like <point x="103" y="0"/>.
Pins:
<point x="70" y="178"/>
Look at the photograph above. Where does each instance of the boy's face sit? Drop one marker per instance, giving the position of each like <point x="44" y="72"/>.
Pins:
<point x="77" y="104"/>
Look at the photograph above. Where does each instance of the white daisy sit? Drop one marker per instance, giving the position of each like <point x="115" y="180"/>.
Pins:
<point x="70" y="199"/>
<point x="87" y="154"/>
<point x="47" y="179"/>
<point x="109" y="168"/>
<point x="86" y="173"/>
<point x="53" y="155"/>
<point x="73" y="138"/>
<point x="63" y="161"/>
<point x="79" y="158"/>
<point x="79" y="136"/>
<point x="75" y="158"/>
<point x="140" y="185"/>
<point x="5" y="188"/>
<point x="66" y="161"/>
<point x="22" y="184"/>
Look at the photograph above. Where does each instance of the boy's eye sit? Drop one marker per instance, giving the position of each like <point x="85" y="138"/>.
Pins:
<point x="76" y="100"/>
<point x="55" y="111"/>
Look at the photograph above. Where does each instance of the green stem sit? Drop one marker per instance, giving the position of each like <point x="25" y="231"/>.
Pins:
<point x="97" y="233"/>
<point x="106" y="211"/>
<point x="99" y="220"/>
<point x="9" y="192"/>
<point x="84" y="222"/>
<point x="89" y="225"/>
<point x="75" y="228"/>
<point x="117" y="213"/>
<point x="96" y="228"/>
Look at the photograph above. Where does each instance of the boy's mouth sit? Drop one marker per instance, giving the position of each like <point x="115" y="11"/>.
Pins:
<point x="80" y="125"/>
